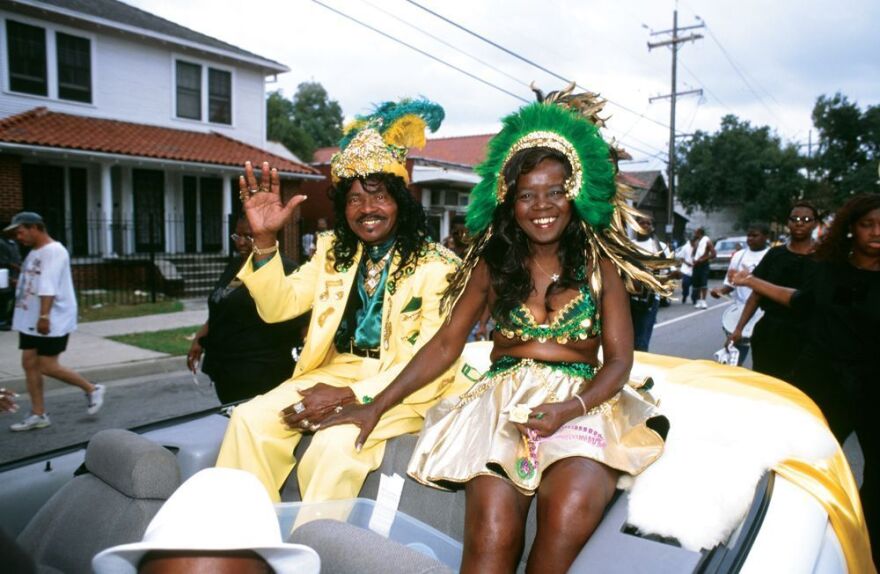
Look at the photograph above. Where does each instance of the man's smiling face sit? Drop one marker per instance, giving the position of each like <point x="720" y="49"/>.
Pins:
<point x="371" y="211"/>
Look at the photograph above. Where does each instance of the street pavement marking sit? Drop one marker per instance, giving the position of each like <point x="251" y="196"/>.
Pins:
<point x="693" y="314"/>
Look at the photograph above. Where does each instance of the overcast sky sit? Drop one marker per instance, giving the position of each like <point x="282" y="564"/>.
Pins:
<point x="765" y="61"/>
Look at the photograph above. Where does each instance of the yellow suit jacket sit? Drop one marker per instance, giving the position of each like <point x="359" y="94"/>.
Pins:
<point x="410" y="310"/>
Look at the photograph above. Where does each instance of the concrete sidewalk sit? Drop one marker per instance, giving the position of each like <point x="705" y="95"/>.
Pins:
<point x="99" y="359"/>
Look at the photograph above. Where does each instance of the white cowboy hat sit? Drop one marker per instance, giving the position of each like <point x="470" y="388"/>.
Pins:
<point x="216" y="509"/>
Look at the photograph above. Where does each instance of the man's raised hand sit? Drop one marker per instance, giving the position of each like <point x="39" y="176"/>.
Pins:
<point x="262" y="203"/>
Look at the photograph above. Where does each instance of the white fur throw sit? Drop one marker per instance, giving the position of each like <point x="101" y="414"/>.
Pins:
<point x="719" y="446"/>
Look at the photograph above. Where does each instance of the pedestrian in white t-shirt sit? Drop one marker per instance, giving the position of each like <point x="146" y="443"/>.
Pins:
<point x="45" y="315"/>
<point x="745" y="259"/>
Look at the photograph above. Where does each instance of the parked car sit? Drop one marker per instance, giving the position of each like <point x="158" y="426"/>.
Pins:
<point x="724" y="497"/>
<point x="724" y="250"/>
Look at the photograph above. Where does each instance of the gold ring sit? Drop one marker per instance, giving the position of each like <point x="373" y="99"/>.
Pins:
<point x="263" y="188"/>
<point x="338" y="409"/>
<point x="305" y="423"/>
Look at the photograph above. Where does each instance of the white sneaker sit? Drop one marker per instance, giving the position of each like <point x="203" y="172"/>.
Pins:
<point x="32" y="422"/>
<point x="701" y="304"/>
<point x="96" y="399"/>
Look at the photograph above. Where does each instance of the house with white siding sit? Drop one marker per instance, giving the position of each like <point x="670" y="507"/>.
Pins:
<point x="113" y="119"/>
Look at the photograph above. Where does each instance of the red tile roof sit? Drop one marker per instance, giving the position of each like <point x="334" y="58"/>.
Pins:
<point x="41" y="127"/>
<point x="464" y="150"/>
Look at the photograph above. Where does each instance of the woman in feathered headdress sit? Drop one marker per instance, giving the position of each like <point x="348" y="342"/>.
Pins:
<point x="551" y="259"/>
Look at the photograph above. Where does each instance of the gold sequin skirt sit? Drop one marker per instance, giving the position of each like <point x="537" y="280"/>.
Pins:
<point x="472" y="435"/>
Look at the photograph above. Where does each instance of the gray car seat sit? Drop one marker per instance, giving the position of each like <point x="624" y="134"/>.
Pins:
<point x="129" y="477"/>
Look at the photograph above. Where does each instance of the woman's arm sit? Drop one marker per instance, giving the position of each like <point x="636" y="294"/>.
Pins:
<point x="748" y="310"/>
<point x="432" y="360"/>
<point x="617" y="341"/>
<point x="195" y="351"/>
<point x="445" y="346"/>
<point x="781" y="295"/>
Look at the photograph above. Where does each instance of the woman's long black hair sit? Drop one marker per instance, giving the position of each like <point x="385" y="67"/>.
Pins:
<point x="507" y="251"/>
<point x="412" y="225"/>
<point x="837" y="243"/>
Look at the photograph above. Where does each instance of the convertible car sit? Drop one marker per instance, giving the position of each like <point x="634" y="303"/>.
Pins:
<point x="751" y="481"/>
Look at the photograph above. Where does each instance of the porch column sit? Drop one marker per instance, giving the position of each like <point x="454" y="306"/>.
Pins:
<point x="227" y="211"/>
<point x="106" y="225"/>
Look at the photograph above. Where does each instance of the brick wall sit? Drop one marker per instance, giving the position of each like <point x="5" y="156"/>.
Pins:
<point x="10" y="187"/>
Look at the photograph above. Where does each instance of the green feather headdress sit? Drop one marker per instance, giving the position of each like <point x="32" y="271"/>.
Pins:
<point x="568" y="123"/>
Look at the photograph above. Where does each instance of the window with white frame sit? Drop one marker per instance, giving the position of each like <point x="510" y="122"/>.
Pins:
<point x="30" y="54"/>
<point x="197" y="91"/>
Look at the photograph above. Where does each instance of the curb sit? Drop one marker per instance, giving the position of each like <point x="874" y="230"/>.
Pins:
<point x="106" y="373"/>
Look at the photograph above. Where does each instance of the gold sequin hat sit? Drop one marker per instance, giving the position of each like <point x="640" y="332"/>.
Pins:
<point x="378" y="142"/>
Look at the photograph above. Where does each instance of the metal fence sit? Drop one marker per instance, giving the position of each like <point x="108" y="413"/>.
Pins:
<point x="145" y="259"/>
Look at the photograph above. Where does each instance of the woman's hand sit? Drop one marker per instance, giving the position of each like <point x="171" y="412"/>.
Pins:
<point x="194" y="356"/>
<point x="262" y="203"/>
<point x="740" y="278"/>
<point x="317" y="402"/>
<point x="544" y="420"/>
<point x="365" y="417"/>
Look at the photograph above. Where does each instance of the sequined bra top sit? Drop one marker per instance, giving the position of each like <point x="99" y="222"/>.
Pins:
<point x="578" y="319"/>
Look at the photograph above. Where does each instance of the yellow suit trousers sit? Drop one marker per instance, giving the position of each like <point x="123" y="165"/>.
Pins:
<point x="258" y="441"/>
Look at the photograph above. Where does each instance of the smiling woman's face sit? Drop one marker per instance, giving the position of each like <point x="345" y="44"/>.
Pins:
<point x="541" y="207"/>
<point x="371" y="211"/>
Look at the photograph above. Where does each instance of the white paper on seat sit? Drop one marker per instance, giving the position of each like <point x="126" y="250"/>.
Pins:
<point x="387" y="501"/>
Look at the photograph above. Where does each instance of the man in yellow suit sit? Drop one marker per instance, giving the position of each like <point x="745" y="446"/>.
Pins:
<point x="373" y="287"/>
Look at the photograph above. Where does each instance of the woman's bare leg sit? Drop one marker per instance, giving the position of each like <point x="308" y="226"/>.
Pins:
<point x="494" y="526"/>
<point x="571" y="499"/>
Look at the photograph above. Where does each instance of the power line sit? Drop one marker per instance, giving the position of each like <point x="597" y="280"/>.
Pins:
<point x="528" y="61"/>
<point x="470" y="75"/>
<point x="447" y="44"/>
<point x="422" y="52"/>
<point x="742" y="76"/>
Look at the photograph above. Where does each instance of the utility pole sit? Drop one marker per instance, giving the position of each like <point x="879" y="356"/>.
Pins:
<point x="674" y="41"/>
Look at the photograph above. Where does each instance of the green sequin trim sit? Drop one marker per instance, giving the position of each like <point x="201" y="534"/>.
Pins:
<point x="506" y="363"/>
<point x="576" y="320"/>
<point x="429" y="251"/>
<point x="366" y="399"/>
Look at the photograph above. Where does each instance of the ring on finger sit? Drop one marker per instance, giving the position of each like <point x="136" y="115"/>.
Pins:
<point x="298" y="407"/>
<point x="338" y="409"/>
<point x="263" y="188"/>
<point x="253" y="190"/>
<point x="305" y="423"/>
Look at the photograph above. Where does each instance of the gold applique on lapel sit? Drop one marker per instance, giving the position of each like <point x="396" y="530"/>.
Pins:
<point x="334" y="283"/>
<point x="322" y="318"/>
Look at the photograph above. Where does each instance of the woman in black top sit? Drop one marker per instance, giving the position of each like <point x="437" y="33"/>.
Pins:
<point x="778" y="337"/>
<point x="244" y="356"/>
<point x="840" y="300"/>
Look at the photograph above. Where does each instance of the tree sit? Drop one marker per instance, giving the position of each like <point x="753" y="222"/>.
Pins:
<point x="740" y="165"/>
<point x="308" y="121"/>
<point x="317" y="115"/>
<point x="849" y="149"/>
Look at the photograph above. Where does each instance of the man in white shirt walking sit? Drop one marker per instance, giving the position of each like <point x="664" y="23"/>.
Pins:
<point x="704" y="251"/>
<point x="745" y="259"/>
<point x="45" y="315"/>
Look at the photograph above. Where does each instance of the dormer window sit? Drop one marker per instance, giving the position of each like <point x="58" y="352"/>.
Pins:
<point x="197" y="91"/>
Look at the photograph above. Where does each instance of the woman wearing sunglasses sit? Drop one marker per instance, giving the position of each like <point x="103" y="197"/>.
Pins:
<point x="779" y="336"/>
<point x="244" y="356"/>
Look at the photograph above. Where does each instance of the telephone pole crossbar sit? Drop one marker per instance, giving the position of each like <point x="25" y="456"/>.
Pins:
<point x="673" y="42"/>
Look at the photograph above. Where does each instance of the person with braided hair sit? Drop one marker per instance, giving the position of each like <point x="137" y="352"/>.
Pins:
<point x="551" y="259"/>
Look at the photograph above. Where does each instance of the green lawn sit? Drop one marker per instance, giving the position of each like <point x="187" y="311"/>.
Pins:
<point x="100" y="311"/>
<point x="171" y="341"/>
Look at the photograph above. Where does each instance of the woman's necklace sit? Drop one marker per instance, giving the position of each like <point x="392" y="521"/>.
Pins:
<point x="554" y="277"/>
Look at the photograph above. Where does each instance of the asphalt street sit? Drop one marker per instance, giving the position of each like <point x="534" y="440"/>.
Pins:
<point x="129" y="403"/>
